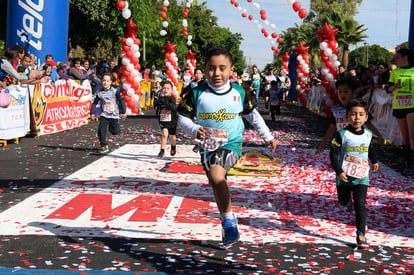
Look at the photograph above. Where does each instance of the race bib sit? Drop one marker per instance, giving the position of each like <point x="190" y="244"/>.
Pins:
<point x="404" y="101"/>
<point x="165" y="115"/>
<point x="355" y="166"/>
<point x="108" y="107"/>
<point x="214" y="139"/>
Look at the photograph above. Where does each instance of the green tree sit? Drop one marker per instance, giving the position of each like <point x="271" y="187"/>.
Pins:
<point x="373" y="53"/>
<point x="105" y="22"/>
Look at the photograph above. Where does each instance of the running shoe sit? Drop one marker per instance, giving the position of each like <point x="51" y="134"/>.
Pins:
<point x="361" y="240"/>
<point x="104" y="149"/>
<point x="173" y="150"/>
<point x="161" y="154"/>
<point x="230" y="232"/>
<point x="195" y="149"/>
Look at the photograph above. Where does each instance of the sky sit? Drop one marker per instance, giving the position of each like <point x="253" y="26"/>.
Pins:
<point x="387" y="23"/>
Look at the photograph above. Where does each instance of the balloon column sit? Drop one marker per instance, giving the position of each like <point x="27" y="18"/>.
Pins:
<point x="329" y="57"/>
<point x="163" y="15"/>
<point x="191" y="62"/>
<point x="302" y="70"/>
<point x="285" y="62"/>
<point x="130" y="69"/>
<point x="185" y="23"/>
<point x="171" y="66"/>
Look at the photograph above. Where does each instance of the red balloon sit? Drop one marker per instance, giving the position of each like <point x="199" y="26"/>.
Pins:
<point x="262" y="12"/>
<point x="263" y="16"/>
<point x="138" y="67"/>
<point x="137" y="41"/>
<point x="185" y="29"/>
<point x="302" y="13"/>
<point x="185" y="33"/>
<point x="244" y="14"/>
<point x="263" y="30"/>
<point x="279" y="40"/>
<point x="134" y="60"/>
<point x="236" y="4"/>
<point x="274" y="35"/>
<point x="164" y="9"/>
<point x="266" y="34"/>
<point x="135" y="110"/>
<point x="131" y="78"/>
<point x="249" y="1"/>
<point x="126" y="73"/>
<point x="135" y="85"/>
<point x="129" y="54"/>
<point x="273" y="48"/>
<point x="185" y="14"/>
<point x="123" y="40"/>
<point x="126" y="48"/>
<point x="120" y="5"/>
<point x="250" y="17"/>
<point x="277" y="51"/>
<point x="163" y="15"/>
<point x="332" y="44"/>
<point x="232" y="1"/>
<point x="296" y="6"/>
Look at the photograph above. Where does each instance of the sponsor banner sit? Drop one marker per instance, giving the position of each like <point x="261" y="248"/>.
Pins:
<point x="60" y="106"/>
<point x="129" y="193"/>
<point x="15" y="119"/>
<point x="45" y="23"/>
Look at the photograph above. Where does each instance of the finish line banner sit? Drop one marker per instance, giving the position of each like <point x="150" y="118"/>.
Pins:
<point x="60" y="106"/>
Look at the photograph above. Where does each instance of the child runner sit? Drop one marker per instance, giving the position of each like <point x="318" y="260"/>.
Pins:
<point x="275" y="98"/>
<point x="350" y="151"/>
<point x="167" y="117"/>
<point x="112" y="107"/>
<point x="345" y="90"/>
<point x="217" y="106"/>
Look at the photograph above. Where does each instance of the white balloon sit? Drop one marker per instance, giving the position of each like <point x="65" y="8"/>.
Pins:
<point x="239" y="8"/>
<point x="122" y="54"/>
<point x="188" y="5"/>
<point x="290" y="2"/>
<point x="126" y="5"/>
<point x="255" y="21"/>
<point x="166" y="3"/>
<point x="333" y="57"/>
<point x="134" y="48"/>
<point x="126" y="13"/>
<point x="328" y="52"/>
<point x="175" y="58"/>
<point x="273" y="26"/>
<point x="164" y="24"/>
<point x="256" y="6"/>
<point x="259" y="26"/>
<point x="138" y="78"/>
<point x="329" y="77"/>
<point x="323" y="45"/>
<point x="337" y="63"/>
<point x="135" y="73"/>
<point x="185" y="23"/>
<point x="135" y="98"/>
<point x="266" y="23"/>
<point x="167" y="63"/>
<point x="298" y="87"/>
<point x="137" y="54"/>
<point x="325" y="71"/>
<point x="126" y="86"/>
<point x="190" y="37"/>
<point x="125" y="61"/>
<point x="130" y="92"/>
<point x="130" y="67"/>
<point x="299" y="58"/>
<point x="163" y="32"/>
<point x="189" y="43"/>
<point x="129" y="41"/>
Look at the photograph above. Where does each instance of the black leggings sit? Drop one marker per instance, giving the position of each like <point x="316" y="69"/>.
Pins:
<point x="114" y="128"/>
<point x="360" y="197"/>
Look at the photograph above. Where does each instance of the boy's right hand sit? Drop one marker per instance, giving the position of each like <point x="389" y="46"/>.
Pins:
<point x="343" y="177"/>
<point x="201" y="133"/>
<point x="320" y="148"/>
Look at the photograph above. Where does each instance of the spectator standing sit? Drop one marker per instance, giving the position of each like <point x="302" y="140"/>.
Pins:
<point x="256" y="77"/>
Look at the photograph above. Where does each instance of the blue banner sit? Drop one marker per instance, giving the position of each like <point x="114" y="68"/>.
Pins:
<point x="44" y="22"/>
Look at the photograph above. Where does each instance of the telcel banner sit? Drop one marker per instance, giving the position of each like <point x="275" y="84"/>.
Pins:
<point x="45" y="21"/>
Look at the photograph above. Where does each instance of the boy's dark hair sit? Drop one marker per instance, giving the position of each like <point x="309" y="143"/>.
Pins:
<point x="218" y="51"/>
<point x="108" y="74"/>
<point x="350" y="82"/>
<point x="357" y="102"/>
<point x="248" y="82"/>
<point x="273" y="83"/>
<point x="407" y="52"/>
<point x="167" y="82"/>
<point x="10" y="53"/>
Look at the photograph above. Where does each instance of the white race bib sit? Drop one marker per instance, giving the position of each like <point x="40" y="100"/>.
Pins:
<point x="108" y="107"/>
<point x="214" y="139"/>
<point x="165" y="115"/>
<point x="355" y="166"/>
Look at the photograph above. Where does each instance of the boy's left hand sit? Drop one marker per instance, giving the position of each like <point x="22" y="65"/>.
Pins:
<point x="375" y="167"/>
<point x="123" y="116"/>
<point x="272" y="144"/>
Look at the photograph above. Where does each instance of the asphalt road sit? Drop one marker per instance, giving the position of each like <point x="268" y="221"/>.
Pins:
<point x="37" y="163"/>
